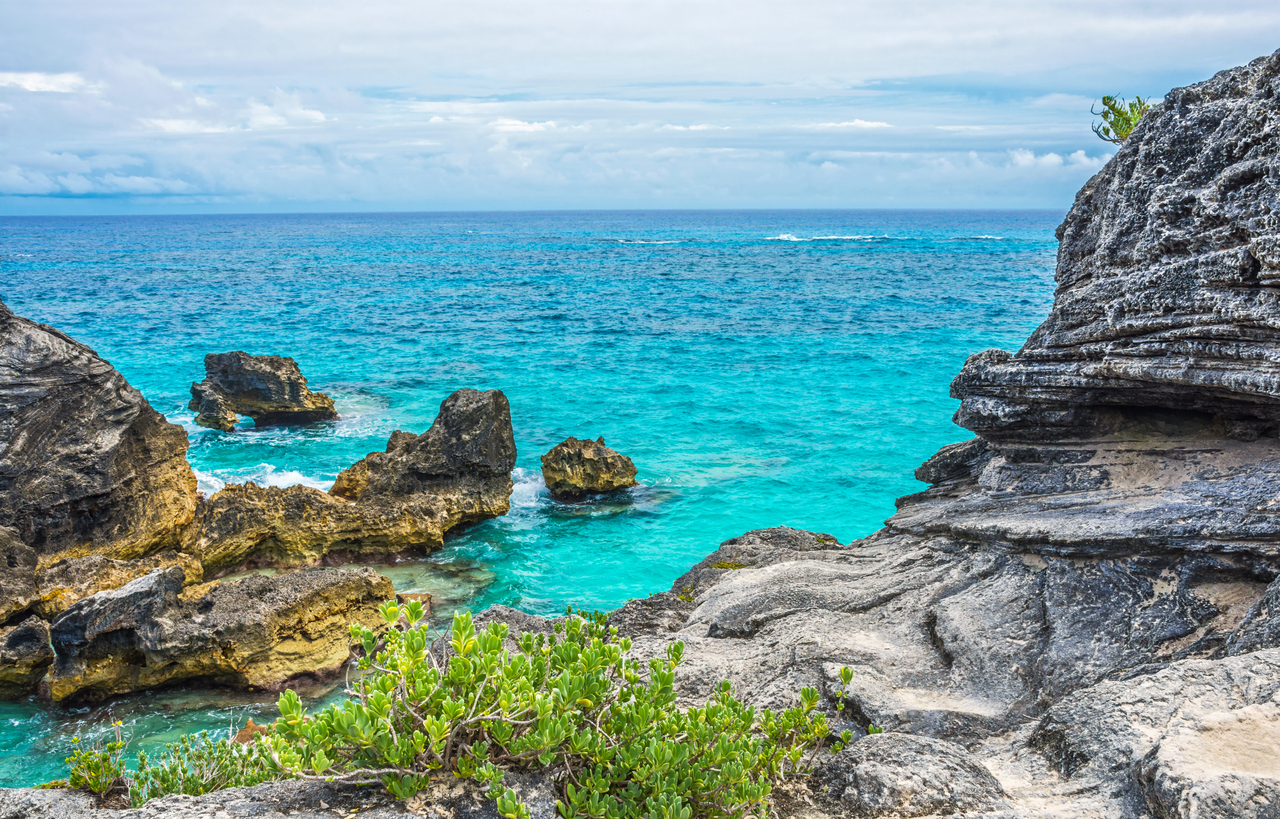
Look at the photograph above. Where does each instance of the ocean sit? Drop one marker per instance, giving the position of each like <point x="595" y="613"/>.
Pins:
<point x="761" y="368"/>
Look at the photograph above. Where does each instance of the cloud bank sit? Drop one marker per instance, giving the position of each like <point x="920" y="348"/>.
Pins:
<point x="498" y="104"/>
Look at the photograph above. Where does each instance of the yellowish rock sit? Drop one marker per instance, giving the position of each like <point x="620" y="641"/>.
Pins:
<point x="65" y="582"/>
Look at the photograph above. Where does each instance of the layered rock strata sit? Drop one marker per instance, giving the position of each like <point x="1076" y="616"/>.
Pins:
<point x="60" y="585"/>
<point x="1087" y="597"/>
<point x="270" y="389"/>
<point x="25" y="657"/>
<point x="86" y="465"/>
<point x="256" y="632"/>
<point x="575" y="468"/>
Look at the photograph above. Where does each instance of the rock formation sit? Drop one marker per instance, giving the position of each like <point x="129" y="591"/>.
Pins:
<point x="25" y="657"/>
<point x="86" y="465"/>
<point x="18" y="564"/>
<point x="270" y="389"/>
<point x="65" y="582"/>
<point x="1087" y="599"/>
<point x="256" y="632"/>
<point x="403" y="500"/>
<point x="574" y="468"/>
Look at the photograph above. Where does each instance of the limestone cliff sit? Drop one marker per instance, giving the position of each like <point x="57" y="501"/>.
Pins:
<point x="86" y="465"/>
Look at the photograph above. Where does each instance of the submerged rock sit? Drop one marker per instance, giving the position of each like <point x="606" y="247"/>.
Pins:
<point x="86" y="465"/>
<point x="25" y="657"/>
<point x="574" y="468"/>
<point x="256" y="632"/>
<point x="270" y="389"/>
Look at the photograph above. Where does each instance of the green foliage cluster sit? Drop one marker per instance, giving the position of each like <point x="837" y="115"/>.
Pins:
<point x="194" y="765"/>
<point x="730" y="564"/>
<point x="568" y="704"/>
<point x="1119" y="117"/>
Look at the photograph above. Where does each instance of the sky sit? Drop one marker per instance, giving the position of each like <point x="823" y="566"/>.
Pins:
<point x="135" y="106"/>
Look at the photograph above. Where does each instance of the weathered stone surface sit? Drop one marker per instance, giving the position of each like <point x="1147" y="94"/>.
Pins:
<point x="464" y="461"/>
<point x="255" y="632"/>
<point x="25" y="657"/>
<point x="270" y="389"/>
<point x="65" y="582"/>
<point x="574" y="469"/>
<point x="86" y="465"/>
<point x="18" y="563"/>
<point x="902" y="775"/>
<point x="250" y="525"/>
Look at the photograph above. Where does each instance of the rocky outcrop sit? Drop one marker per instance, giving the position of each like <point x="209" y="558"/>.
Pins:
<point x="86" y="465"/>
<point x="1087" y="596"/>
<point x="25" y="657"/>
<point x="573" y="469"/>
<point x="256" y="632"/>
<point x="403" y="500"/>
<point x="63" y="583"/>
<point x="18" y="563"/>
<point x="270" y="389"/>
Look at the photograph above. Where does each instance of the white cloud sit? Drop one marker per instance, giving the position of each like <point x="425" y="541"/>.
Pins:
<point x="520" y="125"/>
<point x="50" y="83"/>
<point x="853" y="123"/>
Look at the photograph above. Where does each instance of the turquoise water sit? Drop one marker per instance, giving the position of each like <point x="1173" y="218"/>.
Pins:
<point x="761" y="368"/>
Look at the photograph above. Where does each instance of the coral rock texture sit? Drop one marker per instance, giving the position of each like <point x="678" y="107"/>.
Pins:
<point x="65" y="582"/>
<point x="255" y="632"/>
<point x="270" y="389"/>
<point x="25" y="657"/>
<point x="86" y="465"/>
<point x="575" y="468"/>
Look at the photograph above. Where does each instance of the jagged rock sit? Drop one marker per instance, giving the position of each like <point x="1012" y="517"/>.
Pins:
<point x="270" y="389"/>
<point x="464" y="461"/>
<point x="25" y="657"/>
<point x="255" y="632"/>
<point x="901" y="775"/>
<point x="402" y="500"/>
<point x="574" y="468"/>
<point x="256" y="526"/>
<point x="65" y="582"/>
<point x="86" y="465"/>
<point x="18" y="563"/>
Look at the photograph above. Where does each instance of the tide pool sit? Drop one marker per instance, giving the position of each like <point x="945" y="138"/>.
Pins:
<point x="761" y="368"/>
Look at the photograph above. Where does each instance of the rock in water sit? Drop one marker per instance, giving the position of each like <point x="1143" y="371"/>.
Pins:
<point x="574" y="468"/>
<point x="1088" y="596"/>
<point x="86" y="465"/>
<point x="463" y="463"/>
<point x="269" y="389"/>
<point x="402" y="500"/>
<point x="257" y="632"/>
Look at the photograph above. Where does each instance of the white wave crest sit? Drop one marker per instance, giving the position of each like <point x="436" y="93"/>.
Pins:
<point x="262" y="474"/>
<point x="649" y="241"/>
<point x="790" y="237"/>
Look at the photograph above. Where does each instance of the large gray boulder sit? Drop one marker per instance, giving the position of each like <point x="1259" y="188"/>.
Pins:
<point x="86" y="465"/>
<point x="270" y="389"/>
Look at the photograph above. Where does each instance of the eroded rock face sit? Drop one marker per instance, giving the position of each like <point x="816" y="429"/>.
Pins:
<point x="65" y="582"/>
<point x="25" y="657"/>
<point x="270" y="389"/>
<point x="574" y="468"/>
<point x="86" y="465"/>
<point x="256" y="632"/>
<point x="18" y="563"/>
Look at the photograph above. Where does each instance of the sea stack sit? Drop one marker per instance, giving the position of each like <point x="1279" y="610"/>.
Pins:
<point x="270" y="389"/>
<point x="576" y="468"/>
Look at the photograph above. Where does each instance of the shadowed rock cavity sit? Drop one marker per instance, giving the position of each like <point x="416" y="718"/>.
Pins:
<point x="270" y="389"/>
<point x="86" y="465"/>
<point x="573" y="469"/>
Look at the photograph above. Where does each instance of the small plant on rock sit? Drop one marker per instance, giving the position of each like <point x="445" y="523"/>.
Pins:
<point x="99" y="768"/>
<point x="570" y="705"/>
<point x="1119" y="118"/>
<point x="197" y="764"/>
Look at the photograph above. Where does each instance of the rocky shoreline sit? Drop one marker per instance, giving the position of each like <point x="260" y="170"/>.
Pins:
<point x="1079" y="618"/>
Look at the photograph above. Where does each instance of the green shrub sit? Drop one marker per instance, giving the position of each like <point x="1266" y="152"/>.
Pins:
<point x="99" y="768"/>
<point x="570" y="705"/>
<point x="196" y="765"/>
<point x="1119" y="118"/>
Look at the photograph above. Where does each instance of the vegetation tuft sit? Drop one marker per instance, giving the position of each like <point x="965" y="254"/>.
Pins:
<point x="1119" y="118"/>
<point x="569" y="705"/>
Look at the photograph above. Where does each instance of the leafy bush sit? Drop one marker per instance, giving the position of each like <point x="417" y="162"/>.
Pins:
<point x="570" y="705"/>
<point x="1119" y="118"/>
<point x="99" y="768"/>
<point x="197" y="765"/>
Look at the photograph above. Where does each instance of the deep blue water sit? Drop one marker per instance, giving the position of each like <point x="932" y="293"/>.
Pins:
<point x="761" y="368"/>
